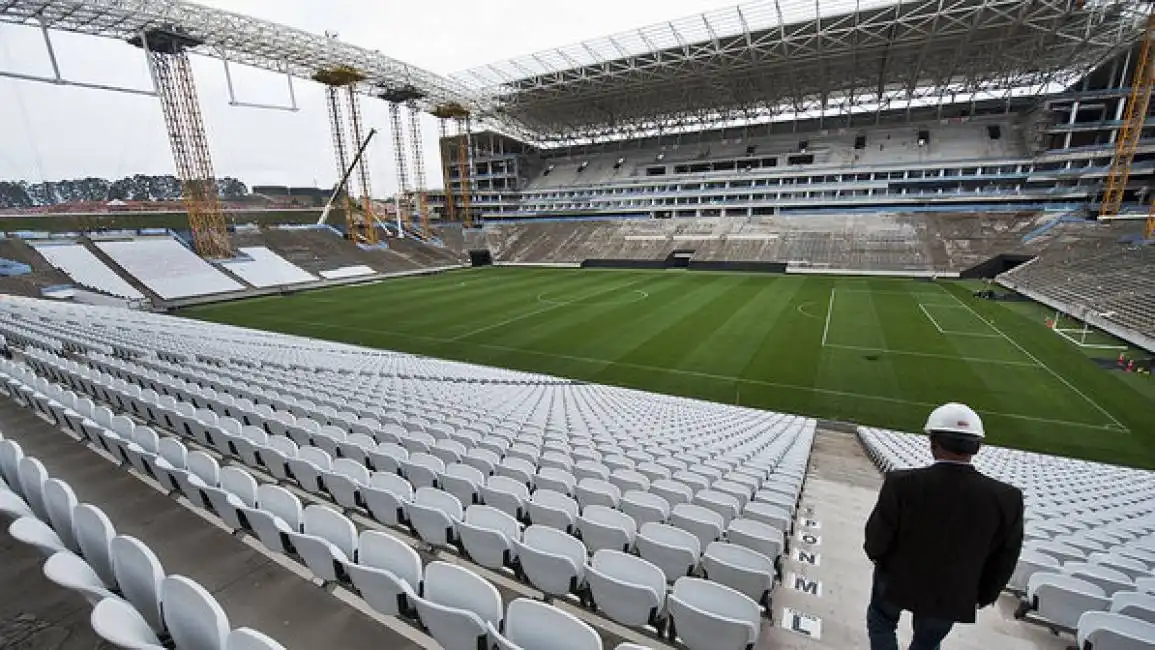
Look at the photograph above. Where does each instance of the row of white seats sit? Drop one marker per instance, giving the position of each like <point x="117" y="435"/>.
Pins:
<point x="135" y="605"/>
<point x="328" y="540"/>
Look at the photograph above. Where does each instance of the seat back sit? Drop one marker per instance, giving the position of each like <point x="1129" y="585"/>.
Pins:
<point x="239" y="483"/>
<point x="493" y="519"/>
<point x="555" y="542"/>
<point x="94" y="533"/>
<point x="382" y="551"/>
<point x="443" y="501"/>
<point x="139" y="574"/>
<point x="193" y="617"/>
<point x="450" y="585"/>
<point x="32" y="478"/>
<point x="204" y="466"/>
<point x="282" y="503"/>
<point x="60" y="501"/>
<point x="711" y="616"/>
<point x="332" y="526"/>
<point x="173" y="452"/>
<point x="10" y="455"/>
<point x="537" y="626"/>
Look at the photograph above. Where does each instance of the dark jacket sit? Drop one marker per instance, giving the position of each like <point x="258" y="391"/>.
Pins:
<point x="947" y="539"/>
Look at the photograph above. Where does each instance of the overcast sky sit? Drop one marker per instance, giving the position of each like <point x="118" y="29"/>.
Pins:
<point x="53" y="133"/>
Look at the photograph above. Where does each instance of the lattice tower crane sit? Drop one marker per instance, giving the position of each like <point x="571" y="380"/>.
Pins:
<point x="171" y="70"/>
<point x="418" y="168"/>
<point x="446" y="165"/>
<point x="1134" y="118"/>
<point x="404" y="207"/>
<point x="342" y="80"/>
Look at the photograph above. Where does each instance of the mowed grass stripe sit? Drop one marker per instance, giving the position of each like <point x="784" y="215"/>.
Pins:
<point x="732" y="337"/>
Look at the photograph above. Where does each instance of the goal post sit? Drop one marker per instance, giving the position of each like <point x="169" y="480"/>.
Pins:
<point x="1080" y="333"/>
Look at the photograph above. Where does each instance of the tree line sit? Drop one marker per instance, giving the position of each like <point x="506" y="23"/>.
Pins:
<point x="140" y="187"/>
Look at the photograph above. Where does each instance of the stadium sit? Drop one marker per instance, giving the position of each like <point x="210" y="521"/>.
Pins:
<point x="632" y="376"/>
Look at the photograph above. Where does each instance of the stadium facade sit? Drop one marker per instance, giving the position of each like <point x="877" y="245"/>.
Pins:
<point x="779" y="107"/>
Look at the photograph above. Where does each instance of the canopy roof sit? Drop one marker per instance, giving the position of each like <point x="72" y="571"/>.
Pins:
<point x="758" y="61"/>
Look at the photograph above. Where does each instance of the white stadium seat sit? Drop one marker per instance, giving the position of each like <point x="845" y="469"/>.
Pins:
<point x="711" y="616"/>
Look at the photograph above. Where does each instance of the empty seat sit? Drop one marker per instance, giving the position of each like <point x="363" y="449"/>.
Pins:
<point x="462" y="481"/>
<point x="601" y="527"/>
<point x="422" y="469"/>
<point x="645" y="507"/>
<point x="553" y="509"/>
<point x="507" y="495"/>
<point x="558" y="480"/>
<point x="673" y="550"/>
<point x="488" y="536"/>
<point x="768" y="513"/>
<point x="703" y="523"/>
<point x="757" y="536"/>
<point x="1061" y="599"/>
<point x="94" y="533"/>
<point x="280" y="513"/>
<point x="628" y="589"/>
<point x="69" y="571"/>
<point x="139" y="575"/>
<point x="742" y="569"/>
<point x="345" y="481"/>
<point x="552" y="560"/>
<point x="1031" y="562"/>
<point x="327" y="543"/>
<point x="387" y="497"/>
<point x="60" y="502"/>
<point x="32" y="479"/>
<point x="1110" y="580"/>
<point x="531" y="625"/>
<point x="1134" y="604"/>
<point x="726" y="505"/>
<point x="1111" y="631"/>
<point x="710" y="616"/>
<point x="387" y="573"/>
<point x="193" y="617"/>
<point x="458" y="607"/>
<point x="434" y="515"/>
<point x="115" y="621"/>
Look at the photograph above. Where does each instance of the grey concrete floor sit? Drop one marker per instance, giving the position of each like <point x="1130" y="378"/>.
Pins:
<point x="841" y="489"/>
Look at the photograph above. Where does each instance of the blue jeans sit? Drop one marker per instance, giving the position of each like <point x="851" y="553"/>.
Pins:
<point x="882" y="622"/>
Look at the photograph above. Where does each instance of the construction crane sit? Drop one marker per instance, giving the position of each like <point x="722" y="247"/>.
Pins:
<point x="168" y="62"/>
<point x="418" y="167"/>
<point x="443" y="149"/>
<point x="464" y="159"/>
<point x="341" y="86"/>
<point x="404" y="208"/>
<point x="1134" y="117"/>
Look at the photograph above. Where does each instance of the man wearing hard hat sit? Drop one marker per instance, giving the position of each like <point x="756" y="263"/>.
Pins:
<point x="944" y="539"/>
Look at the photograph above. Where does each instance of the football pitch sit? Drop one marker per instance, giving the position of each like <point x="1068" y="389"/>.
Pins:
<point x="875" y="351"/>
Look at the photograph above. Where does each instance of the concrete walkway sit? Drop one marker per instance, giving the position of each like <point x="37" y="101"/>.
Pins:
<point x="826" y="578"/>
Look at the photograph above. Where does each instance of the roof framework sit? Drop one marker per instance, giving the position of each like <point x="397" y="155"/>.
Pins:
<point x="239" y="39"/>
<point x="802" y="58"/>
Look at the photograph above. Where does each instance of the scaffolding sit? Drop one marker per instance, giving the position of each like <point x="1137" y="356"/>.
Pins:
<point x="171" y="70"/>
<point x="446" y="166"/>
<point x="341" y="87"/>
<point x="366" y="229"/>
<point x="465" y="169"/>
<point x="404" y="207"/>
<point x="418" y="154"/>
<point x="341" y="153"/>
<point x="1134" y="117"/>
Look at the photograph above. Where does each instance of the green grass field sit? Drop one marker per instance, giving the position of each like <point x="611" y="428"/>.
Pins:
<point x="879" y="352"/>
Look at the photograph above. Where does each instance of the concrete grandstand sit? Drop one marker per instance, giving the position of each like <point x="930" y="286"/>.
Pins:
<point x="336" y="495"/>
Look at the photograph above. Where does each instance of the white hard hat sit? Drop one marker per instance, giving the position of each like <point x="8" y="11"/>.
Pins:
<point x="955" y="418"/>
